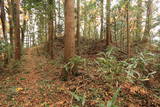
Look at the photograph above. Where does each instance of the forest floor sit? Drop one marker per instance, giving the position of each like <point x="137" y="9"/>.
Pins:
<point x="35" y="82"/>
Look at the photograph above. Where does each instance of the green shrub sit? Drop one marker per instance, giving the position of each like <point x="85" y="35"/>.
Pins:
<point x="136" y="68"/>
<point x="74" y="63"/>
<point x="81" y="99"/>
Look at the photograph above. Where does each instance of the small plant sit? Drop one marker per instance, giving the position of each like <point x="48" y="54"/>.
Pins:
<point x="129" y="66"/>
<point x="140" y="63"/>
<point x="74" y="64"/>
<point x="72" y="67"/>
<point x="112" y="102"/>
<point x="15" y="64"/>
<point x="4" y="52"/>
<point x="109" y="66"/>
<point x="109" y="52"/>
<point x="107" y="62"/>
<point x="2" y="46"/>
<point x="79" y="98"/>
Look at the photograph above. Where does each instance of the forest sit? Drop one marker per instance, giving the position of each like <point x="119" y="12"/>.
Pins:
<point x="79" y="53"/>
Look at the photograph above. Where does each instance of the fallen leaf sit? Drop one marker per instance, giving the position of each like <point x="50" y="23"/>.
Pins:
<point x="19" y="89"/>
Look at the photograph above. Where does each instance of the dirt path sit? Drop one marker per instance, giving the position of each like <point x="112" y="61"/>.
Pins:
<point x="36" y="84"/>
<point x="28" y="79"/>
<point x="30" y="70"/>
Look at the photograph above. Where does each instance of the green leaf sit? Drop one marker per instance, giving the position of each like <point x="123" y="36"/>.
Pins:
<point x="112" y="102"/>
<point x="83" y="100"/>
<point x="76" y="96"/>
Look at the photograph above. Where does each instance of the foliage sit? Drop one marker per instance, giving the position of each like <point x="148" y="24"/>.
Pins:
<point x="14" y="65"/>
<point x="5" y="52"/>
<point x="75" y="62"/>
<point x="108" y="62"/>
<point x="80" y="98"/>
<point x="135" y="67"/>
<point x="112" y="102"/>
<point x="2" y="46"/>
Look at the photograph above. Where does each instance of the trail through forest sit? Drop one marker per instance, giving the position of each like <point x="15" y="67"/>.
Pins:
<point x="30" y="65"/>
<point x="82" y="53"/>
<point x="27" y="87"/>
<point x="30" y="76"/>
<point x="36" y="83"/>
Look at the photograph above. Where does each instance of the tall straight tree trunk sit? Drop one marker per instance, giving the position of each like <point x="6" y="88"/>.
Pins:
<point x="139" y="20"/>
<point x="128" y="30"/>
<point x="85" y="19"/>
<point x="59" y="15"/>
<point x="102" y="16"/>
<point x="23" y="29"/>
<point x="69" y="39"/>
<point x="50" y="28"/>
<point x="78" y="23"/>
<point x="108" y="29"/>
<point x="121" y="37"/>
<point x="50" y="38"/>
<point x="3" y="19"/>
<point x="55" y="24"/>
<point x="148" y="19"/>
<point x="16" y="24"/>
<point x="115" y="31"/>
<point x="10" y="24"/>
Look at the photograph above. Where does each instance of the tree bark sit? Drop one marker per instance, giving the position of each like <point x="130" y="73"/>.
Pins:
<point x="139" y="20"/>
<point x="16" y="24"/>
<point x="59" y="15"/>
<point x="3" y="20"/>
<point x="69" y="37"/>
<point x="10" y="25"/>
<point x="55" y="24"/>
<point x="128" y="30"/>
<point x="78" y="23"/>
<point x="50" y="28"/>
<point x="102" y="16"/>
<point x="148" y="19"/>
<point x="23" y="29"/>
<point x="115" y="31"/>
<point x="108" y="29"/>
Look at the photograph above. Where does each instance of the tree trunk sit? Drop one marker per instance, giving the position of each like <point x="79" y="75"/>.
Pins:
<point x="78" y="23"/>
<point x="55" y="19"/>
<point x="102" y="16"/>
<point x="148" y="20"/>
<point x="115" y="31"/>
<point x="139" y="20"/>
<point x="108" y="29"/>
<point x="59" y="15"/>
<point x="69" y="37"/>
<point x="128" y="30"/>
<point x="50" y="28"/>
<point x="50" y="38"/>
<point x="10" y="27"/>
<point x="23" y="30"/>
<point x="3" y="20"/>
<point x="16" y="24"/>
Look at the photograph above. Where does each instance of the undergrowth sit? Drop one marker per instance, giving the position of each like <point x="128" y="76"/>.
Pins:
<point x="139" y="67"/>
